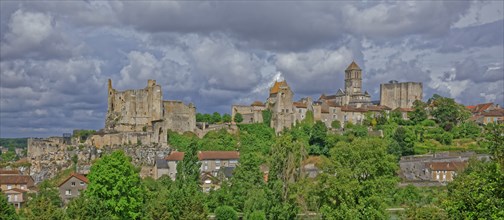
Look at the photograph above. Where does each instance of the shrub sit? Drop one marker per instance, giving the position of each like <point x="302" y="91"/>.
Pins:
<point x="336" y="124"/>
<point x="225" y="213"/>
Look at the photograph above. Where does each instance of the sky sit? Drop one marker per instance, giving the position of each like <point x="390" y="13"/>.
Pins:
<point x="56" y="56"/>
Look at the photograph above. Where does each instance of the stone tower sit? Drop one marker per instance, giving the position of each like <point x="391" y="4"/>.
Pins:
<point x="281" y="106"/>
<point x="400" y="94"/>
<point x="353" y="79"/>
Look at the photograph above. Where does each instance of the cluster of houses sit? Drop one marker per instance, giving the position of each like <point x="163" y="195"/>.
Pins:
<point x="486" y="113"/>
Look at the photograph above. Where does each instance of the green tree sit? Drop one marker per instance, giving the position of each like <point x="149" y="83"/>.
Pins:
<point x="247" y="177"/>
<point x="116" y="182"/>
<point x="266" y="114"/>
<point x="207" y="118"/>
<point x="186" y="197"/>
<point x="467" y="129"/>
<point x="238" y="118"/>
<point x="256" y="215"/>
<point x="7" y="211"/>
<point x="419" y="112"/>
<point x="84" y="207"/>
<point x="447" y="112"/>
<point x="404" y="141"/>
<point x="199" y="117"/>
<point x="336" y="124"/>
<point x="216" y="117"/>
<point x="309" y="118"/>
<point x="226" y="118"/>
<point x="45" y="204"/>
<point x="494" y="138"/>
<point x="318" y="138"/>
<point x="287" y="155"/>
<point x="225" y="213"/>
<point x="360" y="175"/>
<point x="477" y="193"/>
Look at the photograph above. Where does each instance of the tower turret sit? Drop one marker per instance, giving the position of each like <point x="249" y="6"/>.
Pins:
<point x="353" y="79"/>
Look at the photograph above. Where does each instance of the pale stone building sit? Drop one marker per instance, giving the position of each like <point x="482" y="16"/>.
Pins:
<point x="353" y="94"/>
<point x="141" y="116"/>
<point x="281" y="105"/>
<point x="250" y="113"/>
<point x="400" y="95"/>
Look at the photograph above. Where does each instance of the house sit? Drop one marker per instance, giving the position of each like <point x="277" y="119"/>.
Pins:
<point x="493" y="116"/>
<point x="12" y="179"/>
<point x="72" y="186"/>
<point x="170" y="168"/>
<point x="16" y="196"/>
<point x="404" y="112"/>
<point x="445" y="171"/>
<point x="212" y="162"/>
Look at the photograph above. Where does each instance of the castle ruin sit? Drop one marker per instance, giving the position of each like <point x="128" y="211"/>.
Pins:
<point x="142" y="116"/>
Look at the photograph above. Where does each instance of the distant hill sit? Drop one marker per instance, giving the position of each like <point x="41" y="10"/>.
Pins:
<point x="14" y="142"/>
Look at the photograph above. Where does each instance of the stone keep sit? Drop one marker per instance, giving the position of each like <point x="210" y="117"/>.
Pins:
<point x="133" y="110"/>
<point x="400" y="95"/>
<point x="281" y="106"/>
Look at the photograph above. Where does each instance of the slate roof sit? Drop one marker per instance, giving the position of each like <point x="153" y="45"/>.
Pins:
<point x="161" y="164"/>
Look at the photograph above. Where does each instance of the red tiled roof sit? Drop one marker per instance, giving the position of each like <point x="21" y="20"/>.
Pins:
<point x="16" y="190"/>
<point x="352" y="109"/>
<point x="353" y="66"/>
<point x="299" y="104"/>
<point x="257" y="103"/>
<point x="377" y="108"/>
<point x="494" y="113"/>
<point x="213" y="155"/>
<point x="332" y="104"/>
<point x="481" y="107"/>
<point x="175" y="156"/>
<point x="76" y="175"/>
<point x="274" y="89"/>
<point x="447" y="166"/>
<point x="9" y="172"/>
<point x="404" y="109"/>
<point x="16" y="179"/>
<point x="470" y="107"/>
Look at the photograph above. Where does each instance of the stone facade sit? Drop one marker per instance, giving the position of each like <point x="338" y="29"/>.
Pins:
<point x="142" y="116"/>
<point x="353" y="94"/>
<point x="251" y="113"/>
<point x="281" y="105"/>
<point x="400" y="95"/>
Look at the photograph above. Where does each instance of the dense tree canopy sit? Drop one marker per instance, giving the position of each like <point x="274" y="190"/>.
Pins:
<point x="115" y="182"/>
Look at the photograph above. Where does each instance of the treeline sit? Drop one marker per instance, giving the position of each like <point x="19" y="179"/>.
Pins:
<point x="213" y="118"/>
<point x="12" y="143"/>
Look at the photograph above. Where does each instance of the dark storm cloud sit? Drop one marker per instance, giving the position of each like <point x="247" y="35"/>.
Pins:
<point x="56" y="56"/>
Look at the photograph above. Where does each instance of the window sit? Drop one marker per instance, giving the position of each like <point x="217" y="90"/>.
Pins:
<point x="15" y="198"/>
<point x="82" y="183"/>
<point x="9" y="186"/>
<point x="217" y="164"/>
<point x="9" y="198"/>
<point x="23" y="186"/>
<point x="334" y="111"/>
<point x="300" y="111"/>
<point x="73" y="184"/>
<point x="68" y="192"/>
<point x="437" y="175"/>
<point x="205" y="168"/>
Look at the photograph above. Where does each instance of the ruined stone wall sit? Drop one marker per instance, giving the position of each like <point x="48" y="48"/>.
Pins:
<point x="40" y="146"/>
<point x="251" y="114"/>
<point x="48" y="162"/>
<point x="133" y="110"/>
<point x="178" y="116"/>
<point x="400" y="95"/>
<point x="122" y="138"/>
